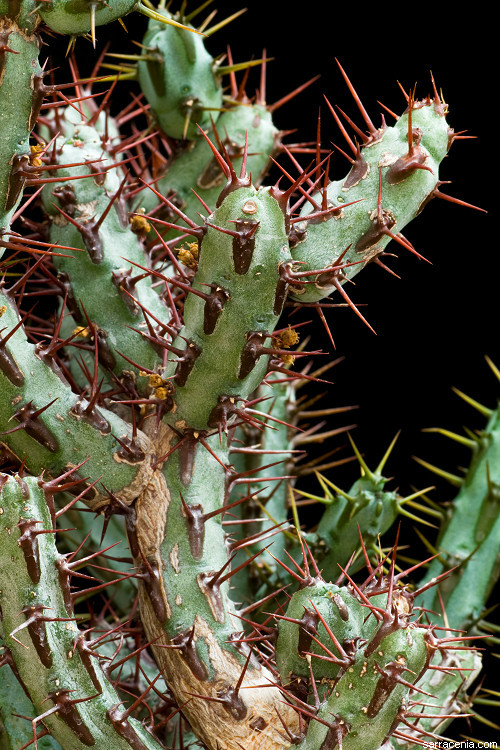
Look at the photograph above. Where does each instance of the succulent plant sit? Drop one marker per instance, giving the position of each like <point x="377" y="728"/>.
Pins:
<point x="176" y="570"/>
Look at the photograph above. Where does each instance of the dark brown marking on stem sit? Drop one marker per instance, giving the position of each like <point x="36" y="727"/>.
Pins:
<point x="38" y="633"/>
<point x="130" y="450"/>
<point x="407" y="164"/>
<point x="66" y="197"/>
<point x="210" y="587"/>
<point x="341" y="606"/>
<point x="307" y="628"/>
<point x="87" y="413"/>
<point x="186" y="363"/>
<point x="285" y="278"/>
<point x="389" y="678"/>
<point x="122" y="279"/>
<point x="250" y="353"/>
<point x="359" y="170"/>
<point x="244" y="244"/>
<point x="376" y="232"/>
<point x="105" y="354"/>
<point x="185" y="643"/>
<point x="17" y="179"/>
<point x="92" y="241"/>
<point x="337" y="730"/>
<point x="65" y="581"/>
<point x="28" y="542"/>
<point x="258" y="723"/>
<point x="213" y="308"/>
<point x="39" y="90"/>
<point x="211" y="176"/>
<point x="125" y="729"/>
<point x="27" y="417"/>
<point x="131" y="526"/>
<point x="149" y="574"/>
<point x="9" y="367"/>
<point x="186" y="458"/>
<point x="232" y="702"/>
<point x="67" y="711"/>
<point x="195" y="523"/>
<point x="223" y="411"/>
<point x="86" y="655"/>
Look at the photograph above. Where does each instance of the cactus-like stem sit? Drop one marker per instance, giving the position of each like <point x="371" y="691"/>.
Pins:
<point x="51" y="428"/>
<point x="241" y="127"/>
<point x="469" y="539"/>
<point x="21" y="94"/>
<point x="222" y="350"/>
<point x="392" y="177"/>
<point x="89" y="215"/>
<point x="179" y="79"/>
<point x="180" y="549"/>
<point x="165" y="368"/>
<point x="53" y="658"/>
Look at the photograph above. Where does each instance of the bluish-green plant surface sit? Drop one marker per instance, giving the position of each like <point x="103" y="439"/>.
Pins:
<point x="239" y="507"/>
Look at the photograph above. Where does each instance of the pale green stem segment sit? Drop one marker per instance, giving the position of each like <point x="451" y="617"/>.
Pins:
<point x="52" y="656"/>
<point x="68" y="431"/>
<point x="21" y="94"/>
<point x="469" y="540"/>
<point x="390" y="182"/>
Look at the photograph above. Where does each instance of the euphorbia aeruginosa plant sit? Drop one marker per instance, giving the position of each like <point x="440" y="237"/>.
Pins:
<point x="182" y="562"/>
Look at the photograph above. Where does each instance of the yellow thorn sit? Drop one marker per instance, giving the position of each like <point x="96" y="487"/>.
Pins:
<point x="187" y="122"/>
<point x="223" y="23"/>
<point x="386" y="455"/>
<point x="207" y="20"/>
<point x="92" y="23"/>
<point x="119" y="68"/>
<point x="364" y="466"/>
<point x="453" y="436"/>
<point x="197" y="10"/>
<point x="453" y="479"/>
<point x="407" y="513"/>
<point x="136" y="58"/>
<point x="225" y="69"/>
<point x="324" y="482"/>
<point x="472" y="402"/>
<point x="122" y="24"/>
<point x="71" y="44"/>
<point x="436" y="513"/>
<point x="426" y="543"/>
<point x="324" y="500"/>
<point x="485" y="721"/>
<point x="494" y="368"/>
<point x="295" y="512"/>
<point x="163" y="19"/>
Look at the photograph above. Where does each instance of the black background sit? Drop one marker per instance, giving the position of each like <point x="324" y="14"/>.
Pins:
<point x="436" y="324"/>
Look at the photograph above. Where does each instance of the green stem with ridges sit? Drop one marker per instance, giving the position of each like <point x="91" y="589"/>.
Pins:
<point x="448" y="693"/>
<point x="470" y="537"/>
<point x="241" y="276"/>
<point x="50" y="653"/>
<point x="196" y="168"/>
<point x="15" y="731"/>
<point x="368" y="508"/>
<point x="21" y="93"/>
<point x="349" y="710"/>
<point x="361" y="228"/>
<point x="102" y="273"/>
<point x="179" y="79"/>
<point x="63" y="435"/>
<point x="181" y="553"/>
